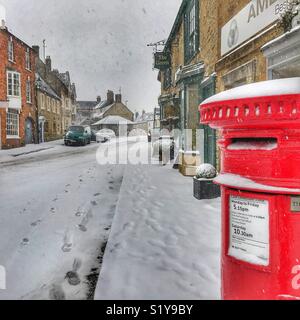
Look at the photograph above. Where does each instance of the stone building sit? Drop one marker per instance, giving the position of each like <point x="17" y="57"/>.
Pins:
<point x="62" y="86"/>
<point x="49" y="110"/>
<point x="219" y="45"/>
<point x="193" y="49"/>
<point x="144" y="122"/>
<point x="85" y="111"/>
<point x="18" y="114"/>
<point x="112" y="106"/>
<point x="246" y="28"/>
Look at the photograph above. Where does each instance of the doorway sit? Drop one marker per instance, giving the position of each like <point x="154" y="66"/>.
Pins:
<point x="28" y="131"/>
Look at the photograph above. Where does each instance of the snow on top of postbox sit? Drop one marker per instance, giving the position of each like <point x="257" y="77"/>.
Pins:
<point x="258" y="89"/>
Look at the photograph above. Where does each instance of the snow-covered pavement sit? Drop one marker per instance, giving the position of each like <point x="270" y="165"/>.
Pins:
<point x="56" y="210"/>
<point x="164" y="244"/>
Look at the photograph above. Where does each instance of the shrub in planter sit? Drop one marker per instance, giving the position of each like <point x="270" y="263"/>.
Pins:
<point x="204" y="188"/>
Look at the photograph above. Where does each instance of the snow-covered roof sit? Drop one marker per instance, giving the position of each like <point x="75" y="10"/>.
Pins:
<point x="113" y="120"/>
<point x="259" y="89"/>
<point x="102" y="104"/>
<point x="87" y="104"/>
<point x="148" y="116"/>
<point x="45" y="87"/>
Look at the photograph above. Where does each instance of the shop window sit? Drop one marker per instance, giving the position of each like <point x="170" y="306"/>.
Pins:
<point x="12" y="123"/>
<point x="167" y="78"/>
<point x="191" y="41"/>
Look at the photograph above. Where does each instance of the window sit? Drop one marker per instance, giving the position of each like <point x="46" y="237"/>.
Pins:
<point x="27" y="59"/>
<point x="11" y="50"/>
<point x="48" y="104"/>
<point x="28" y="91"/>
<point x="12" y="123"/>
<point x="13" y="84"/>
<point x="191" y="30"/>
<point x="167" y="78"/>
<point x="42" y="101"/>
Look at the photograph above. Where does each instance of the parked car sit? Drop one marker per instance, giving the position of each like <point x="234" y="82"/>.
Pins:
<point x="105" y="135"/>
<point x="80" y="135"/>
<point x="94" y="135"/>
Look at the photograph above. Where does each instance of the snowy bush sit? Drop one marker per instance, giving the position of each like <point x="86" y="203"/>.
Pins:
<point x="206" y="171"/>
<point x="286" y="19"/>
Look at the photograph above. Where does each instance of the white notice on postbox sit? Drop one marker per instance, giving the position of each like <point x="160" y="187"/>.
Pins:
<point x="249" y="230"/>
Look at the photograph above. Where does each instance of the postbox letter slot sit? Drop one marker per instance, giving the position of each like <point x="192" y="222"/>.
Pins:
<point x="253" y="144"/>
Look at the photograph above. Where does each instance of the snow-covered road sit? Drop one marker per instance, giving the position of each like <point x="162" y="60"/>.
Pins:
<point x="56" y="210"/>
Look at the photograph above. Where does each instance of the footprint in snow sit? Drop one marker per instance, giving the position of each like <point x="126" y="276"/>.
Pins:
<point x="34" y="224"/>
<point x="57" y="293"/>
<point x="52" y="210"/>
<point x="67" y="242"/>
<point x="97" y="194"/>
<point x="25" y="242"/>
<point x="83" y="224"/>
<point x="72" y="276"/>
<point x="94" y="203"/>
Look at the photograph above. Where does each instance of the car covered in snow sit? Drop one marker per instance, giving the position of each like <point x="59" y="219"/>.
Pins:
<point x="80" y="135"/>
<point x="105" y="135"/>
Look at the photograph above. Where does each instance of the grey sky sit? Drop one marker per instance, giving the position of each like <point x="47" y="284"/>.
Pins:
<point x="101" y="42"/>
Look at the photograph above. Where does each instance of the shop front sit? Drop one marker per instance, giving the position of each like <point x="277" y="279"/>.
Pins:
<point x="283" y="55"/>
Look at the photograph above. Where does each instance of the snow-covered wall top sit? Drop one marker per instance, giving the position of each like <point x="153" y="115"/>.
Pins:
<point x="258" y="89"/>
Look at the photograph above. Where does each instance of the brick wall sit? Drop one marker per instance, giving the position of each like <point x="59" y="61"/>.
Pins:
<point x="28" y="110"/>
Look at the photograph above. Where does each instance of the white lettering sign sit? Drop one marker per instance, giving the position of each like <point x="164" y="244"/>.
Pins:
<point x="249" y="230"/>
<point x="256" y="16"/>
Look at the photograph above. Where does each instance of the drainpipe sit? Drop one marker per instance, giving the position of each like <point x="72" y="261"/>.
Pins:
<point x="36" y="88"/>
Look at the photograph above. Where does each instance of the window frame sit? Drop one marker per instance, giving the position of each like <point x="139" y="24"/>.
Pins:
<point x="28" y="91"/>
<point x="14" y="134"/>
<point x="192" y="30"/>
<point x="13" y="84"/>
<point x="27" y="60"/>
<point x="10" y="50"/>
<point x="167" y="81"/>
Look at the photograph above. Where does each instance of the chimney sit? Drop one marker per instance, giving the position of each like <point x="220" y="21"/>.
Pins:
<point x="2" y="17"/>
<point x="98" y="99"/>
<point x="48" y="64"/>
<point x="36" y="49"/>
<point x="2" y="24"/>
<point x="110" y="97"/>
<point x="118" y="98"/>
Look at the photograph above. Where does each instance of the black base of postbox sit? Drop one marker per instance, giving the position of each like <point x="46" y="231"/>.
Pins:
<point x="206" y="189"/>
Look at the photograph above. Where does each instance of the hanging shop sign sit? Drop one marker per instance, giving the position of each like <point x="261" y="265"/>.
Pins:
<point x="255" y="17"/>
<point x="162" y="60"/>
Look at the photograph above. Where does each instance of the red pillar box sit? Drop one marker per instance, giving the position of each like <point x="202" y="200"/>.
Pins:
<point x="260" y="179"/>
